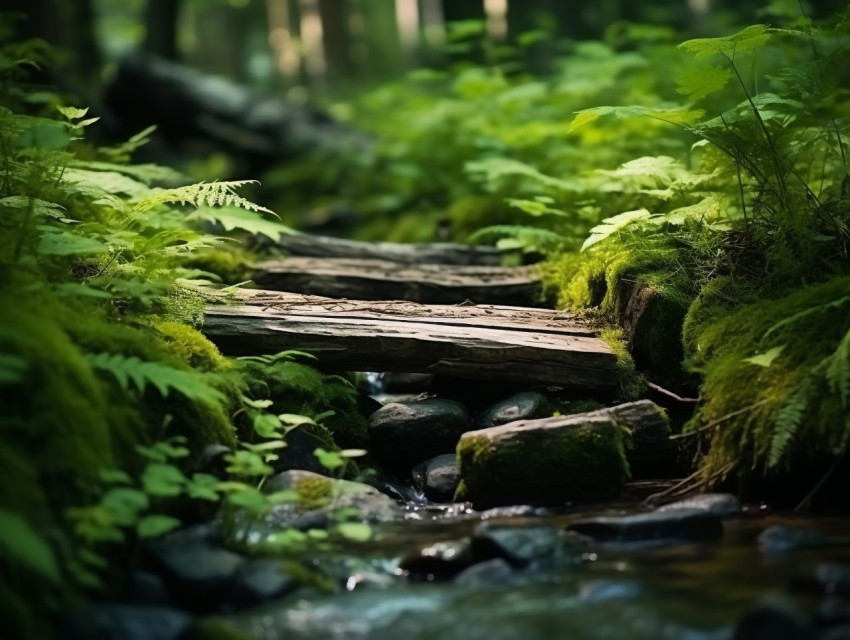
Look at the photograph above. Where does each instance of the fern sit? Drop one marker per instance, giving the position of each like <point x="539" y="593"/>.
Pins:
<point x="518" y="236"/>
<point x="614" y="224"/>
<point x="838" y="371"/>
<point x="164" y="378"/>
<point x="232" y="218"/>
<point x="211" y="194"/>
<point x="788" y="423"/>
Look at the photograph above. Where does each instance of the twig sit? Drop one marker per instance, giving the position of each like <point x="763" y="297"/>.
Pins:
<point x="719" y="421"/>
<point x="670" y="394"/>
<point x="805" y="501"/>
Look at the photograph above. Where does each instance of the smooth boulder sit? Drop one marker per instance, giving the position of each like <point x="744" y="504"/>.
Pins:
<point x="724" y="505"/>
<point x="542" y="461"/>
<point x="525" y="405"/>
<point x="406" y="433"/>
<point x="438" y="477"/>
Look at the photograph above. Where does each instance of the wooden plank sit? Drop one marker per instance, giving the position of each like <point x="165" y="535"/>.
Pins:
<point x="383" y="280"/>
<point x="487" y="316"/>
<point x="369" y="344"/>
<point x="312" y="246"/>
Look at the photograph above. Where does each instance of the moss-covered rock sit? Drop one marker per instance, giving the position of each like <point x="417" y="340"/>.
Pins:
<point x="543" y="462"/>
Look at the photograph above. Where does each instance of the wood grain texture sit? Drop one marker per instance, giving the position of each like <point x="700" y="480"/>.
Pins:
<point x="472" y="315"/>
<point x="381" y="342"/>
<point x="306" y="245"/>
<point x="384" y="280"/>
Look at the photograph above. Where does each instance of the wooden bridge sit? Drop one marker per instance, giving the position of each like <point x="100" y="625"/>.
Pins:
<point x="461" y="320"/>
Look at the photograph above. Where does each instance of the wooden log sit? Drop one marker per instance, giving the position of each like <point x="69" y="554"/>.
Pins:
<point x="388" y="343"/>
<point x="473" y="315"/>
<point x="384" y="280"/>
<point x="312" y="246"/>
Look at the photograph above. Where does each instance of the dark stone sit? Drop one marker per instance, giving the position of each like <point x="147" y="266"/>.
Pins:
<point x="676" y="524"/>
<point x="397" y="382"/>
<point x="477" y="394"/>
<point x="781" y="539"/>
<point x="312" y="520"/>
<point x="438" y="477"/>
<point x="518" y="546"/>
<point x="835" y="578"/>
<point x="525" y="405"/>
<point x="405" y="433"/>
<point x="491" y="572"/>
<point x="298" y="452"/>
<point x="146" y="588"/>
<point x="439" y="561"/>
<point x="723" y="505"/>
<point x="196" y="570"/>
<point x="127" y="622"/>
<point x="259" y="581"/>
<point x="775" y="618"/>
<point x="211" y="460"/>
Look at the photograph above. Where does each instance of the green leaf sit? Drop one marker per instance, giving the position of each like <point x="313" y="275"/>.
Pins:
<point x="77" y="290"/>
<point x="231" y="219"/>
<point x="614" y="224"/>
<point x="114" y="476"/>
<point x="267" y="425"/>
<point x="766" y="359"/>
<point x="41" y="208"/>
<point x="357" y="531"/>
<point x="250" y="499"/>
<point x="72" y="113"/>
<point x="329" y="459"/>
<point x="247" y="463"/>
<point x="45" y="135"/>
<point x="22" y="544"/>
<point x="124" y="504"/>
<point x="203" y="486"/>
<point x="55" y="243"/>
<point x="295" y="419"/>
<point x="12" y="368"/>
<point x="156" y="525"/>
<point x="164" y="480"/>
<point x="700" y="81"/>
<point x="748" y="39"/>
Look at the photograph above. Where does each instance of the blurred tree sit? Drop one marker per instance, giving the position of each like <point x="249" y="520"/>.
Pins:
<point x="463" y="10"/>
<point x="161" y="28"/>
<point x="337" y="38"/>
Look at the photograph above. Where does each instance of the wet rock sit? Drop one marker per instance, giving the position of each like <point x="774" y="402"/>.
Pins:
<point x="517" y="546"/>
<point x="783" y="539"/>
<point x="834" y="611"/>
<point x="318" y="494"/>
<point x="542" y="461"/>
<point x="526" y="405"/>
<point x="196" y="569"/>
<point x="438" y="477"/>
<point x="298" y="452"/>
<point x="484" y="574"/>
<point x="723" y="505"/>
<point x="514" y="511"/>
<point x="146" y="588"/>
<point x="835" y="578"/>
<point x="676" y="524"/>
<point x="127" y="622"/>
<point x="406" y="433"/>
<point x="775" y="618"/>
<point x="259" y="581"/>
<point x="439" y="561"/>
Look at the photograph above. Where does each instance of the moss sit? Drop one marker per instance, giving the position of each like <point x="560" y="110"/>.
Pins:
<point x="232" y="265"/>
<point x="313" y="492"/>
<point x="790" y="409"/>
<point x="631" y="383"/>
<point x="576" y="461"/>
<point x="579" y="406"/>
<point x="191" y="346"/>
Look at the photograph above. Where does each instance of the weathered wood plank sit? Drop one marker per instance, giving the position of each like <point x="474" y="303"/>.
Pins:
<point x="383" y="280"/>
<point x="312" y="246"/>
<point x="476" y="315"/>
<point x="370" y="344"/>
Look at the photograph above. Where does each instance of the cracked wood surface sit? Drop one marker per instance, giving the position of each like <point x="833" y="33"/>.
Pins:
<point x="303" y="244"/>
<point x="384" y="280"/>
<point x="530" y="346"/>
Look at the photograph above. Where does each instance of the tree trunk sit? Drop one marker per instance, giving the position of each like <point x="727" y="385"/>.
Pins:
<point x="161" y="22"/>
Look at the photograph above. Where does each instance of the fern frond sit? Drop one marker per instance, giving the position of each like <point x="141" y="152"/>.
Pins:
<point x="232" y="218"/>
<point x="788" y="422"/>
<point x="614" y="224"/>
<point x="517" y="236"/>
<point x="141" y="373"/>
<point x="838" y="371"/>
<point x="145" y="173"/>
<point x="211" y="194"/>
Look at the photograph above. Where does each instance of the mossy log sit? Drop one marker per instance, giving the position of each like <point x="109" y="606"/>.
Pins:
<point x="362" y="279"/>
<point x="312" y="246"/>
<point x="562" y="458"/>
<point x="485" y="343"/>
